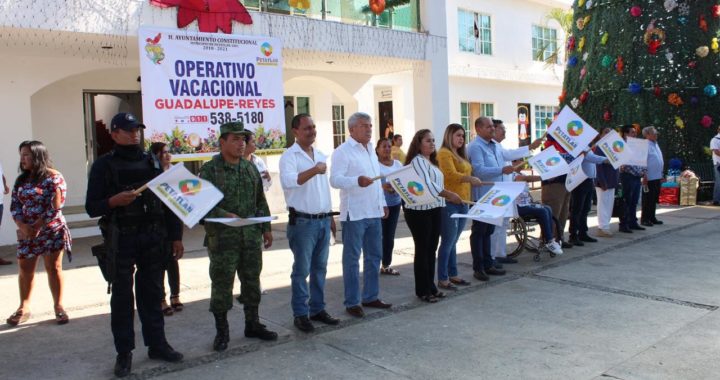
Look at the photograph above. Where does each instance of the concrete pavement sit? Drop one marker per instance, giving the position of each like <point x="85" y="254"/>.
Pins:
<point x="640" y="306"/>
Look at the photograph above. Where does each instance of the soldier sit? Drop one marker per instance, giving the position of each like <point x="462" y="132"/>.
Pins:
<point x="138" y="231"/>
<point x="236" y="249"/>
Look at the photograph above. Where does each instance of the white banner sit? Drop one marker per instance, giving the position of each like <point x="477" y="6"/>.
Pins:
<point x="193" y="82"/>
<point x="493" y="206"/>
<point x="575" y="175"/>
<point x="410" y="186"/>
<point x="240" y="222"/>
<point x="614" y="148"/>
<point x="571" y="132"/>
<point x="549" y="163"/>
<point x="638" y="150"/>
<point x="188" y="196"/>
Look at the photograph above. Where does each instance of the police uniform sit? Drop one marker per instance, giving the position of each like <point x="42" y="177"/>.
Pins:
<point x="137" y="235"/>
<point x="236" y="249"/>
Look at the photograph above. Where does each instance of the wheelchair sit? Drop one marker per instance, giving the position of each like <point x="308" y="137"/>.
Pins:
<point x="528" y="235"/>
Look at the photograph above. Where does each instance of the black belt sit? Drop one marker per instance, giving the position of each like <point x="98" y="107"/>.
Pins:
<point x="312" y="216"/>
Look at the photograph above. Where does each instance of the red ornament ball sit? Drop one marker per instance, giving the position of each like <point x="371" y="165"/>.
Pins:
<point x="607" y="116"/>
<point x="657" y="91"/>
<point x="584" y="96"/>
<point x="715" y="11"/>
<point x="377" y="6"/>
<point x="635" y="11"/>
<point x="706" y="121"/>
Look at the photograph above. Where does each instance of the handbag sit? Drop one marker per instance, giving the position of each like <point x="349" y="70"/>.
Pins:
<point x="618" y="203"/>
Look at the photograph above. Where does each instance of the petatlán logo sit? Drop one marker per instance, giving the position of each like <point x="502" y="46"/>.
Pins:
<point x="415" y="188"/>
<point x="618" y="146"/>
<point x="575" y="128"/>
<point x="266" y="49"/>
<point x="552" y="161"/>
<point x="501" y="201"/>
<point x="190" y="186"/>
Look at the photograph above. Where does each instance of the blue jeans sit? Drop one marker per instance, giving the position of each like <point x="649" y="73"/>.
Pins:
<point x="361" y="235"/>
<point x="480" y="245"/>
<point x="389" y="226"/>
<point x="450" y="230"/>
<point x="310" y="244"/>
<point x="543" y="214"/>
<point x="716" y="190"/>
<point x="631" y="196"/>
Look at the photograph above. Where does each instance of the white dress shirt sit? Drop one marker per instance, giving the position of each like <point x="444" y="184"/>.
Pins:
<point x="715" y="144"/>
<point x="350" y="161"/>
<point x="261" y="167"/>
<point x="312" y="197"/>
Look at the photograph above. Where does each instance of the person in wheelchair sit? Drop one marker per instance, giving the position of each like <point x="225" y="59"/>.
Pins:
<point x="528" y="208"/>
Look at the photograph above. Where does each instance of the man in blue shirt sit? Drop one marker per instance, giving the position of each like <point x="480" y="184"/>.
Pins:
<point x="652" y="179"/>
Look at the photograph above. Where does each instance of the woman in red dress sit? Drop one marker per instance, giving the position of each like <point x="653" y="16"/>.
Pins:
<point x="37" y="200"/>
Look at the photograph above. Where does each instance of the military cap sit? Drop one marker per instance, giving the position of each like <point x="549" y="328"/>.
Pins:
<point x="236" y="127"/>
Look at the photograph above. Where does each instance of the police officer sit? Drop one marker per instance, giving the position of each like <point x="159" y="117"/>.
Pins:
<point x="138" y="231"/>
<point x="236" y="249"/>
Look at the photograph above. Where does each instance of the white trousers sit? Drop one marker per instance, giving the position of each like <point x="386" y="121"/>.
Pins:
<point x="498" y="240"/>
<point x="605" y="201"/>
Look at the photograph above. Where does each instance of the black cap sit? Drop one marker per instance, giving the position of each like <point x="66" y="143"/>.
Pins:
<point x="125" y="121"/>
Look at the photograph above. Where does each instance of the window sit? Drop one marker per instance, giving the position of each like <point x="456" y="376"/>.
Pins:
<point x="544" y="43"/>
<point x="544" y="116"/>
<point x="469" y="112"/>
<point x="338" y="123"/>
<point x="474" y="32"/>
<point x="293" y="106"/>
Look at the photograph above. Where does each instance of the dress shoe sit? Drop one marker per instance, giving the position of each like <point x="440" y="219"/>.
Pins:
<point x="355" y="311"/>
<point x="494" y="271"/>
<point x="255" y="329"/>
<point x="165" y="353"/>
<point x="377" y="304"/>
<point x="655" y="221"/>
<point x="575" y="241"/>
<point x="565" y="245"/>
<point x="646" y="223"/>
<point x="482" y="276"/>
<point x="506" y="260"/>
<point x="303" y="324"/>
<point x="325" y="318"/>
<point x="588" y="239"/>
<point x="604" y="233"/>
<point x="496" y="264"/>
<point x="625" y="230"/>
<point x="123" y="364"/>
<point x="638" y="228"/>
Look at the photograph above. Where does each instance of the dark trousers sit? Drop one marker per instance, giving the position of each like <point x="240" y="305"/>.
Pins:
<point x="173" y="275"/>
<point x="480" y="245"/>
<point x="649" y="201"/>
<point x="580" y="204"/>
<point x="631" y="196"/>
<point x="389" y="226"/>
<point x="144" y="252"/>
<point x="425" y="228"/>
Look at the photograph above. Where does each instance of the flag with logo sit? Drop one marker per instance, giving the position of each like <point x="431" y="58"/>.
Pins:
<point x="638" y="150"/>
<point x="615" y="149"/>
<point x="493" y="206"/>
<point x="549" y="163"/>
<point x="571" y="132"/>
<point x="411" y="187"/>
<point x="188" y="196"/>
<point x="575" y="175"/>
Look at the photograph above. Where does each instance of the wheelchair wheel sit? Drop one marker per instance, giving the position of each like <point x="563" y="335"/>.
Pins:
<point x="536" y="258"/>
<point x="518" y="229"/>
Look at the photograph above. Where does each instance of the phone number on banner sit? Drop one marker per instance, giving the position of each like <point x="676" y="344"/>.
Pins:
<point x="242" y="117"/>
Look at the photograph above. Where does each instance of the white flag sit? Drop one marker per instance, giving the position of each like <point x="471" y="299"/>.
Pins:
<point x="571" y="132"/>
<point x="188" y="196"/>
<point x="615" y="149"/>
<point x="410" y="186"/>
<point x="576" y="175"/>
<point x="492" y="207"/>
<point x="638" y="151"/>
<point x="240" y="222"/>
<point x="549" y="163"/>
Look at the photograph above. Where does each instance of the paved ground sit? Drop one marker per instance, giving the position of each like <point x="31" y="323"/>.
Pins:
<point x="640" y="306"/>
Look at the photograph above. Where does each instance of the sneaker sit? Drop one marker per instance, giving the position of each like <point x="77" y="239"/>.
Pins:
<point x="604" y="233"/>
<point x="554" y="247"/>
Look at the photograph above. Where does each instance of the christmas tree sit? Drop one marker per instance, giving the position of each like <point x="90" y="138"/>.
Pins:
<point x="649" y="62"/>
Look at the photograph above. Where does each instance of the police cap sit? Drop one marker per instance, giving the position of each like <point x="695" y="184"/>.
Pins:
<point x="126" y="121"/>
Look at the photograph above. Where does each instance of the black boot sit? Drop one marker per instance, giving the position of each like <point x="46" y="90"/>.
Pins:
<point x="123" y="364"/>
<point x="223" y="332"/>
<point x="255" y="329"/>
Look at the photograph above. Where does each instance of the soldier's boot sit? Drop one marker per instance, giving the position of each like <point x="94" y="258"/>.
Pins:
<point x="253" y="327"/>
<point x="223" y="332"/>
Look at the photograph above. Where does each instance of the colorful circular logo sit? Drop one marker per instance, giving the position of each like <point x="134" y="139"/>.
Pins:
<point x="415" y="188"/>
<point x="575" y="128"/>
<point x="190" y="186"/>
<point x="501" y="201"/>
<point x="618" y="146"/>
<point x="266" y="49"/>
<point x="552" y="161"/>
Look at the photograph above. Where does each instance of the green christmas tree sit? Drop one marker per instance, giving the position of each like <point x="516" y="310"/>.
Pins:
<point x="649" y="62"/>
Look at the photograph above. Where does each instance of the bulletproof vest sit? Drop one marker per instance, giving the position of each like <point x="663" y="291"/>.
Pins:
<point x="146" y="212"/>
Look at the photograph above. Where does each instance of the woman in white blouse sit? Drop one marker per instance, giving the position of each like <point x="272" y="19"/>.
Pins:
<point x="424" y="220"/>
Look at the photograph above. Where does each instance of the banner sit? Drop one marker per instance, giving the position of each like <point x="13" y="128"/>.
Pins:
<point x="638" y="150"/>
<point x="494" y="205"/>
<point x="193" y="82"/>
<point x="410" y="186"/>
<point x="188" y="196"/>
<point x="240" y="222"/>
<point x="549" y="163"/>
<point x="575" y="175"/>
<point x="571" y="132"/>
<point x="614" y="148"/>
<point x="524" y="124"/>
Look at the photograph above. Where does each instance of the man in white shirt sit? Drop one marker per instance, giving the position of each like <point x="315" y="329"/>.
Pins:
<point x="715" y="147"/>
<point x="307" y="194"/>
<point x="362" y="204"/>
<point x="6" y="190"/>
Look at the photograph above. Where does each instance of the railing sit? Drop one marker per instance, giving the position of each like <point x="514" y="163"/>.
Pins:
<point x="404" y="16"/>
